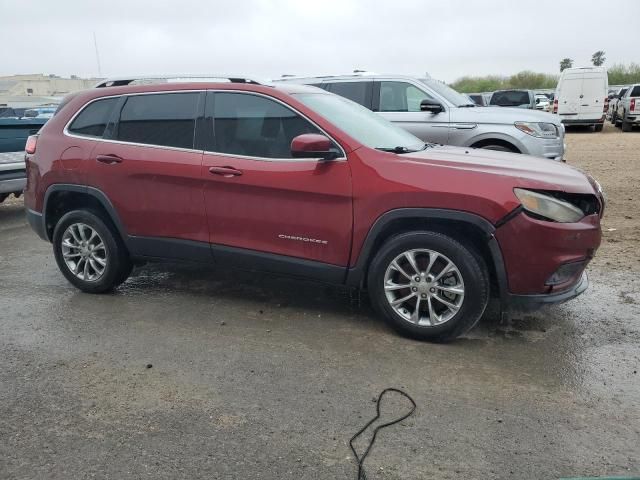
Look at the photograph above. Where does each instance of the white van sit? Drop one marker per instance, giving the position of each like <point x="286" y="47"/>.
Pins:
<point x="582" y="96"/>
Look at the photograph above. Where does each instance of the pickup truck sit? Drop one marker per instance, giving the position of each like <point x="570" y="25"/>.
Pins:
<point x="627" y="112"/>
<point x="13" y="136"/>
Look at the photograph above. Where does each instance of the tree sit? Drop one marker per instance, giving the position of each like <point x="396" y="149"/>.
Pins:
<point x="566" y="63"/>
<point x="598" y="58"/>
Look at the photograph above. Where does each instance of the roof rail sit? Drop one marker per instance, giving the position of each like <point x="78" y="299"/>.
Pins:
<point x="150" y="79"/>
<point x="354" y="74"/>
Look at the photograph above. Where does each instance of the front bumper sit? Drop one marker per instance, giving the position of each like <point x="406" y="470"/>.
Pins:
<point x="533" y="302"/>
<point x="552" y="148"/>
<point x="533" y="250"/>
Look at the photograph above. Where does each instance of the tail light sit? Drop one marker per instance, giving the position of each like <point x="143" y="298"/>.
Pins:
<point x="555" y="105"/>
<point x="633" y="104"/>
<point x="30" y="147"/>
<point x="606" y="104"/>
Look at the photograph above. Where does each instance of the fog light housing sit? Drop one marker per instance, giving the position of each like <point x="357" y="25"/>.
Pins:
<point x="566" y="272"/>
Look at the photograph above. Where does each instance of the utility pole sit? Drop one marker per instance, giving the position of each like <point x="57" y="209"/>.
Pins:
<point x="95" y="44"/>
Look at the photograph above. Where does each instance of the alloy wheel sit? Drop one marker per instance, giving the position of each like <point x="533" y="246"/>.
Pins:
<point x="84" y="252"/>
<point x="424" y="287"/>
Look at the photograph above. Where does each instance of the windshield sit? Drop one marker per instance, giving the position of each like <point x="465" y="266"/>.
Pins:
<point x="367" y="127"/>
<point x="444" y="90"/>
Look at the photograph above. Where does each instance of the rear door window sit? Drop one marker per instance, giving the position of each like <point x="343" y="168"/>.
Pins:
<point x="254" y="126"/>
<point x="93" y="119"/>
<point x="401" y="97"/>
<point x="165" y="119"/>
<point x="359" y="92"/>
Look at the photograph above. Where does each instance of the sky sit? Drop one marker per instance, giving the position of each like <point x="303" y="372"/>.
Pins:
<point x="265" y="39"/>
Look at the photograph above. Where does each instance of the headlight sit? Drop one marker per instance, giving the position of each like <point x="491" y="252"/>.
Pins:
<point x="540" y="130"/>
<point x="548" y="207"/>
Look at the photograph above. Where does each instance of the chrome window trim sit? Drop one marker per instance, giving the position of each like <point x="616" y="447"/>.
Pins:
<point x="66" y="132"/>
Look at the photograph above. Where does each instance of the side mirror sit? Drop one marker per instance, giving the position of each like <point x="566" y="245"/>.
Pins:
<point x="430" y="106"/>
<point x="313" y="145"/>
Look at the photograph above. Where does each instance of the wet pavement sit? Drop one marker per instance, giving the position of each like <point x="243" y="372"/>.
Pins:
<point x="189" y="372"/>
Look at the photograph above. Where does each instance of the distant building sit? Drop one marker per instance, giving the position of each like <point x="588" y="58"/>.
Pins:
<point x="38" y="89"/>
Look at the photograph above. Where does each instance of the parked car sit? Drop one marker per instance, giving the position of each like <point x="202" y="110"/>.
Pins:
<point x="542" y="102"/>
<point x="40" y="112"/>
<point x="292" y="179"/>
<point x="627" y="112"/>
<point x="614" y="98"/>
<point x="513" y="98"/>
<point x="478" y="99"/>
<point x="434" y="112"/>
<point x="13" y="136"/>
<point x="582" y="96"/>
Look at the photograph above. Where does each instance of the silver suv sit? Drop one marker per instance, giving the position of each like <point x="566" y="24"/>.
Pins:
<point x="436" y="113"/>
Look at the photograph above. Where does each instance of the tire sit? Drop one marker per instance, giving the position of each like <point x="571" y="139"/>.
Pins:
<point x="614" y="117"/>
<point x="498" y="148"/>
<point x="77" y="248"/>
<point x="598" y="127"/>
<point x="626" y="126"/>
<point x="469" y="273"/>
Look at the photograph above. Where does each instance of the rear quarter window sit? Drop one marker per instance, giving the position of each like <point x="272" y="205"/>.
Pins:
<point x="359" y="92"/>
<point x="93" y="119"/>
<point x="635" y="92"/>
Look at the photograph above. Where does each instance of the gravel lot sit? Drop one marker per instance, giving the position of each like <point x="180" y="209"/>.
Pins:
<point x="186" y="372"/>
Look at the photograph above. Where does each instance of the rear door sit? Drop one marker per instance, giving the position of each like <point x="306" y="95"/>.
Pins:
<point x="149" y="168"/>
<point x="399" y="102"/>
<point x="258" y="198"/>
<point x="592" y="99"/>
<point x="569" y="95"/>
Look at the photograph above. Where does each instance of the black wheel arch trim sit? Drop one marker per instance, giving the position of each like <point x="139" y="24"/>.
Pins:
<point x="356" y="275"/>
<point x="87" y="190"/>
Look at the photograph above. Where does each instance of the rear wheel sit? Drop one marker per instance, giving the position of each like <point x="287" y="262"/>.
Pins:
<point x="428" y="286"/>
<point x="90" y="252"/>
<point x="598" y="127"/>
<point x="626" y="126"/>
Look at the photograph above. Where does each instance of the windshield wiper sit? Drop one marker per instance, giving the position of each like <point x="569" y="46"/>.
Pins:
<point x="467" y="105"/>
<point x="395" y="149"/>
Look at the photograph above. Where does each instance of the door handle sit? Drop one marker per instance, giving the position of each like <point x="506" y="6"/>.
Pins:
<point x="227" y="172"/>
<point x="109" y="159"/>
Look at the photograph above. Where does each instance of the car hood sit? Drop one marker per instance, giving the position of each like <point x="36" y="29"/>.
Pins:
<point x="523" y="170"/>
<point x="501" y="115"/>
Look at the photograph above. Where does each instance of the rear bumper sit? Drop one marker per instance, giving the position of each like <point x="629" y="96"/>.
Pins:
<point x="37" y="223"/>
<point x="533" y="302"/>
<point x="583" y="121"/>
<point x="13" y="176"/>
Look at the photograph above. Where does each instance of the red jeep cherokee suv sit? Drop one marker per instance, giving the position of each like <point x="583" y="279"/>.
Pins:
<point x="293" y="179"/>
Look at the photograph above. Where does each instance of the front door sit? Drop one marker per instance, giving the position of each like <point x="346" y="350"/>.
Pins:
<point x="261" y="199"/>
<point x="399" y="102"/>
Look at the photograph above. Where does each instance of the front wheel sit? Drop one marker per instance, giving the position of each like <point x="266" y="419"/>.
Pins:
<point x="428" y="285"/>
<point x="498" y="148"/>
<point x="90" y="252"/>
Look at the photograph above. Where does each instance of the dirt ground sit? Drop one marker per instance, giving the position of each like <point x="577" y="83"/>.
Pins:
<point x="613" y="158"/>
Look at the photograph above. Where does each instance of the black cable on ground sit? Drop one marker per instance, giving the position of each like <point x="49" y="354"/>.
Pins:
<point x="360" y="460"/>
